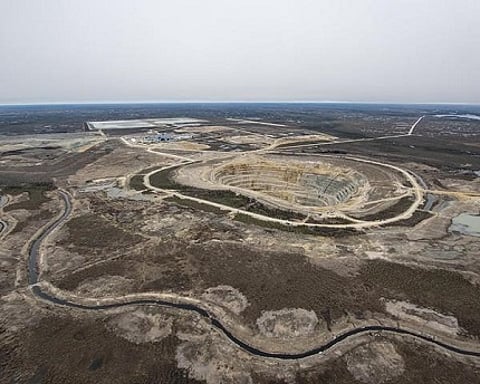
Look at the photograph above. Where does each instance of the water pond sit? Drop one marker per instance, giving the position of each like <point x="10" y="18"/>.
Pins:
<point x="466" y="224"/>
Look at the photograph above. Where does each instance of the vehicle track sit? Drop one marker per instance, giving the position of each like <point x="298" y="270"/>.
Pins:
<point x="33" y="277"/>
<point x="3" y="223"/>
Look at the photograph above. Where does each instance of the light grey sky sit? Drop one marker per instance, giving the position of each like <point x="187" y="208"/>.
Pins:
<point x="243" y="50"/>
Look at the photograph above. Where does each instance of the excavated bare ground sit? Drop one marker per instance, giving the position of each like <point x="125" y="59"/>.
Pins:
<point x="117" y="163"/>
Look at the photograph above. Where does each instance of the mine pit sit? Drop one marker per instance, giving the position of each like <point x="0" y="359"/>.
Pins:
<point x="307" y="184"/>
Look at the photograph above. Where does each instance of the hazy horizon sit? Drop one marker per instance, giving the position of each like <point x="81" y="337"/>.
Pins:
<point x="225" y="51"/>
<point x="119" y="102"/>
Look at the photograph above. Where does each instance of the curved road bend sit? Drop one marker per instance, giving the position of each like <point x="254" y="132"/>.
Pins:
<point x="33" y="279"/>
<point x="3" y="224"/>
<point x="34" y="249"/>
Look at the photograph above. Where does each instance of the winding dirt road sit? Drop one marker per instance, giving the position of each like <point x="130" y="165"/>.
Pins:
<point x="3" y="223"/>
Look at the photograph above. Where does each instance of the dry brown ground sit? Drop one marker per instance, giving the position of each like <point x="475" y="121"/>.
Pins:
<point x="67" y="349"/>
<point x="276" y="280"/>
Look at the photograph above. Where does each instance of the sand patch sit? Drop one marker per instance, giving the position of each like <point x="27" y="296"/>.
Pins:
<point x="226" y="296"/>
<point x="207" y="362"/>
<point x="141" y="327"/>
<point x="375" y="363"/>
<point x="428" y="317"/>
<point x="183" y="146"/>
<point x="288" y="322"/>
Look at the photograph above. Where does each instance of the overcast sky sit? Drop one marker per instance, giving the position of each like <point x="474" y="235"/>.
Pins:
<point x="242" y="50"/>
